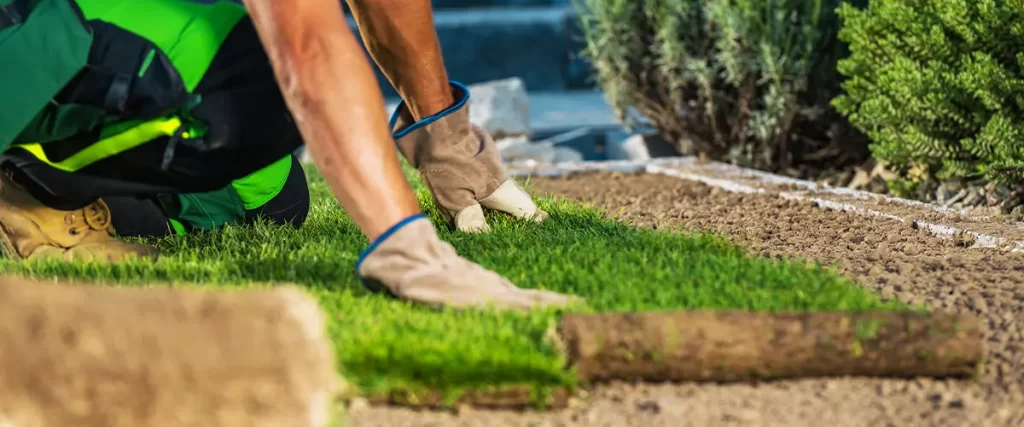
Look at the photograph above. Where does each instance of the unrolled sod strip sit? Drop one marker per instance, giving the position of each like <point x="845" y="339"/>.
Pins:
<point x="91" y="355"/>
<point x="743" y="346"/>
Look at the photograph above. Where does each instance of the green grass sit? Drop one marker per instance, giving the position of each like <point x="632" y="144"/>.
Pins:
<point x="389" y="345"/>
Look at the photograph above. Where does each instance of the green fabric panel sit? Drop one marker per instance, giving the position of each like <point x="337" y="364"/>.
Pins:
<point x="189" y="33"/>
<point x="59" y="122"/>
<point x="210" y="210"/>
<point x="40" y="56"/>
<point x="258" y="188"/>
<point x="178" y="227"/>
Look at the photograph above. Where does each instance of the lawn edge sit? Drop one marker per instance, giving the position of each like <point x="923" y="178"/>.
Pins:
<point x="737" y="179"/>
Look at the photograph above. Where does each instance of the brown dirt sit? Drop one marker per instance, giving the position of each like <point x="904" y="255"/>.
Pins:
<point x="883" y="255"/>
<point x="728" y="345"/>
<point x="510" y="397"/>
<point x="986" y="220"/>
<point x="978" y="220"/>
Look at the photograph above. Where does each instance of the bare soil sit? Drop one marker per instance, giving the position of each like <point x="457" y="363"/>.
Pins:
<point x="893" y="258"/>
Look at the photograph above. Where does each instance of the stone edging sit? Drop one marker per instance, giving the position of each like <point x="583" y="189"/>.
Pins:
<point x="742" y="180"/>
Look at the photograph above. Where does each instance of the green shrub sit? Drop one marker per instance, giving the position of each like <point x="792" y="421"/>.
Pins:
<point x="746" y="81"/>
<point x="937" y="85"/>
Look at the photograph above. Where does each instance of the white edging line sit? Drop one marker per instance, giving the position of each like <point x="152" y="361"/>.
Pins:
<point x="669" y="166"/>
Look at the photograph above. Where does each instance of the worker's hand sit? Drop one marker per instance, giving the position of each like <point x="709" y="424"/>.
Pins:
<point x="461" y="164"/>
<point x="412" y="263"/>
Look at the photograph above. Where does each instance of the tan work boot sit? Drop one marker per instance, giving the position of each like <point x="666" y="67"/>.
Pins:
<point x="460" y="163"/>
<point x="412" y="263"/>
<point x="30" y="230"/>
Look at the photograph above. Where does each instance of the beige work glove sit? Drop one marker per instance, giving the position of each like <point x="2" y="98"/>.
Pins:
<point x="412" y="263"/>
<point x="461" y="165"/>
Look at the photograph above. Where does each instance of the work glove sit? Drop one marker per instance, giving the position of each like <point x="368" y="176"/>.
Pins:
<point x="461" y="165"/>
<point x="412" y="263"/>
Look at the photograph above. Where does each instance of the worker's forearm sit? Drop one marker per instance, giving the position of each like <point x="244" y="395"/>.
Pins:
<point x="331" y="91"/>
<point x="401" y="38"/>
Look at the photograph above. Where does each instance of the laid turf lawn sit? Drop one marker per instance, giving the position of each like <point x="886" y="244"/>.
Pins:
<point x="388" y="345"/>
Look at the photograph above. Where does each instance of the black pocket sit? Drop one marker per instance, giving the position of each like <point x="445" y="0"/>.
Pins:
<point x="127" y="76"/>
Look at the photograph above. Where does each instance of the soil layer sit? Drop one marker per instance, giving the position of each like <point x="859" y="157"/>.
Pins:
<point x="729" y="345"/>
<point x="512" y="397"/>
<point x="895" y="259"/>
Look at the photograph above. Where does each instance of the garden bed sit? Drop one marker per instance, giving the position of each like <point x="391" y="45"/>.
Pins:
<point x="395" y="352"/>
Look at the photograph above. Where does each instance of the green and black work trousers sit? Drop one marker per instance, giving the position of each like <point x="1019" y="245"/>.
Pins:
<point x="243" y="169"/>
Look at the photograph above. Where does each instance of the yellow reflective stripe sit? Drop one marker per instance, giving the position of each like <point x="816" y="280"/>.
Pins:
<point x="111" y="146"/>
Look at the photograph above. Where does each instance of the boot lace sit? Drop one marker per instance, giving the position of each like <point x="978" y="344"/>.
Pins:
<point x="96" y="216"/>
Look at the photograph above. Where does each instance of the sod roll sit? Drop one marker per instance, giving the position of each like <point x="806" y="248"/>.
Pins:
<point x="743" y="346"/>
<point x="91" y="356"/>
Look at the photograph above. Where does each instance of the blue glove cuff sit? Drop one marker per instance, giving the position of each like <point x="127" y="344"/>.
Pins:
<point x="459" y="91"/>
<point x="384" y="236"/>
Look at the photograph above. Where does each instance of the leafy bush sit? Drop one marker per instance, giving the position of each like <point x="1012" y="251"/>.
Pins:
<point x="937" y="85"/>
<point x="746" y="81"/>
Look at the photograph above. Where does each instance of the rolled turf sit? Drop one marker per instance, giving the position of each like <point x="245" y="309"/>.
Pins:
<point x="724" y="345"/>
<point x="90" y="355"/>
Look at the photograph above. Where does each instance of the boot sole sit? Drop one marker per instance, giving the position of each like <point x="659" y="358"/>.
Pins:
<point x="7" y="247"/>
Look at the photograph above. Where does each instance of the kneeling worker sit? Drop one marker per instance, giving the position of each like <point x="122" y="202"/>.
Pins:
<point x="114" y="99"/>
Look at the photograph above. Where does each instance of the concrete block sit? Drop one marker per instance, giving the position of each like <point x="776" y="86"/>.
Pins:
<point x="501" y="107"/>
